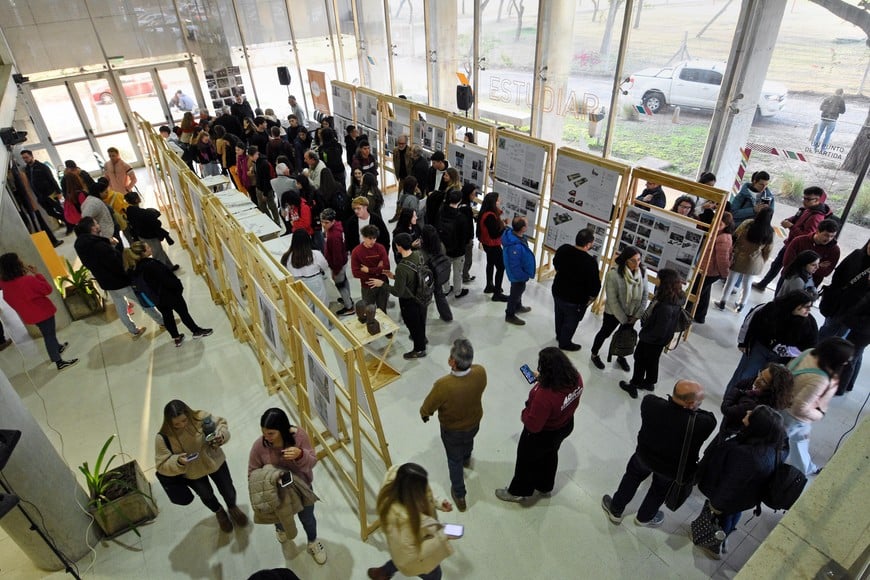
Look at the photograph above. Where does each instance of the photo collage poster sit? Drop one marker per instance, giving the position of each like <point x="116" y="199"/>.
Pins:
<point x="366" y="110"/>
<point x="520" y="163"/>
<point x="664" y="241"/>
<point x="232" y="270"/>
<point x="428" y="136"/>
<point x="563" y="225"/>
<point x="395" y="129"/>
<point x="321" y="390"/>
<point x="585" y="187"/>
<point x="269" y="321"/>
<point x="516" y="202"/>
<point x="342" y="101"/>
<point x="469" y="161"/>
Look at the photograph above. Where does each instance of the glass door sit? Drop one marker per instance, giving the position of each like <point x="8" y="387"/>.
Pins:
<point x="97" y="101"/>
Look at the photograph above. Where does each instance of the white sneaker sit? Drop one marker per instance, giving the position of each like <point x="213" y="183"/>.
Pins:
<point x="317" y="551"/>
<point x="281" y="535"/>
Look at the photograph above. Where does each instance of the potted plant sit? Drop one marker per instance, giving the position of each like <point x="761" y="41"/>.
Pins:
<point x="79" y="293"/>
<point x="120" y="497"/>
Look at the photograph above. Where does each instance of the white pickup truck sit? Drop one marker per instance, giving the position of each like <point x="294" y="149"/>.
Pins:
<point x="694" y="84"/>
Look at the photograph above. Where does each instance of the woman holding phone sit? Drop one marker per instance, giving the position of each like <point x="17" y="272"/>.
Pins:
<point x="289" y="448"/>
<point x="189" y="443"/>
<point x="415" y="538"/>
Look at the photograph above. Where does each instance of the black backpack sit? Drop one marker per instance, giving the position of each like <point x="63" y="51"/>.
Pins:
<point x="425" y="286"/>
<point x="441" y="265"/>
<point x="784" y="488"/>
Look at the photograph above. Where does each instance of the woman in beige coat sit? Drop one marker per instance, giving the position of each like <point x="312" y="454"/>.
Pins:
<point x="753" y="242"/>
<point x="415" y="538"/>
<point x="189" y="444"/>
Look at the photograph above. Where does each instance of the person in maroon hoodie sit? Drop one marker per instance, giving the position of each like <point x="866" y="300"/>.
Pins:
<point x="547" y="420"/>
<point x="370" y="260"/>
<point x="335" y="253"/>
<point x="824" y="243"/>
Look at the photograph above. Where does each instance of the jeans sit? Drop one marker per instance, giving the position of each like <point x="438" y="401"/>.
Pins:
<point x="635" y="473"/>
<point x="120" y="297"/>
<point x="390" y="569"/>
<point x="728" y="522"/>
<point x="798" y="434"/>
<point x="224" y="482"/>
<point x="775" y="268"/>
<point x="376" y="296"/>
<point x="827" y="127"/>
<point x="515" y="299"/>
<point x="751" y="363"/>
<point x="646" y="363"/>
<point x="414" y="315"/>
<point x="157" y="251"/>
<point x="608" y="325"/>
<point x="178" y="305"/>
<point x="567" y="316"/>
<point x="538" y="460"/>
<point x="49" y="337"/>
<point x="458" y="445"/>
<point x="746" y="285"/>
<point x="308" y="521"/>
<point x="494" y="262"/>
<point x="456" y="265"/>
<point x="343" y="287"/>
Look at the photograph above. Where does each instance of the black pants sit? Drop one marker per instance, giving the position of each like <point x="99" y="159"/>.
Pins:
<point x="537" y="460"/>
<point x="567" y="316"/>
<point x="635" y="472"/>
<point x="441" y="304"/>
<point x="775" y="267"/>
<point x="646" y="363"/>
<point x="494" y="262"/>
<point x="224" y="482"/>
<point x="704" y="298"/>
<point x="177" y="304"/>
<point x="414" y="315"/>
<point x="608" y="325"/>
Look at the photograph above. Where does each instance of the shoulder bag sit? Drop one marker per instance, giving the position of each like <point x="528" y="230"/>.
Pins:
<point x="681" y="488"/>
<point x="175" y="486"/>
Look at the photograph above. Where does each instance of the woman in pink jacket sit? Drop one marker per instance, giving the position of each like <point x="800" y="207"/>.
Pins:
<point x="27" y="292"/>
<point x="715" y="266"/>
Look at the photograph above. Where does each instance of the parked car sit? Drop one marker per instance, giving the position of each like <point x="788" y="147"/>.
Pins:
<point x="139" y="85"/>
<point x="694" y="84"/>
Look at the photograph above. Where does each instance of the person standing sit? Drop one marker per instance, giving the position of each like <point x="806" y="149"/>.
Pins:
<point x="43" y="184"/>
<point x="315" y="166"/>
<point x="753" y="242"/>
<point x="772" y="386"/>
<point x="519" y="263"/>
<point x="715" y="266"/>
<point x="434" y="256"/>
<point x="146" y="227"/>
<point x="663" y="430"/>
<point x="402" y="166"/>
<point x="94" y="207"/>
<point x="296" y="110"/>
<point x="260" y="175"/>
<point x="335" y="253"/>
<point x="457" y="398"/>
<point x="575" y="286"/>
<point x="330" y="152"/>
<point x="548" y="418"/>
<point x="832" y="107"/>
<point x="121" y="176"/>
<point x="364" y="159"/>
<point x="407" y="278"/>
<point x="653" y="194"/>
<point x="361" y="218"/>
<point x="189" y="444"/>
<point x="490" y="228"/>
<point x="241" y="110"/>
<point x="456" y="229"/>
<point x="824" y="243"/>
<point x="369" y="261"/>
<point x="26" y="291"/>
<point x="752" y="198"/>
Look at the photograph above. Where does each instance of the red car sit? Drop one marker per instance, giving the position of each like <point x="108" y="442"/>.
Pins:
<point x="134" y="86"/>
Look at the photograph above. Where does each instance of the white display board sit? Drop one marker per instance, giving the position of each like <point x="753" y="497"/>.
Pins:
<point x="366" y="110"/>
<point x="515" y="201"/>
<point x="585" y="187"/>
<point x="401" y="114"/>
<point x="355" y="382"/>
<point x="470" y="161"/>
<point x="394" y="130"/>
<point x="520" y="163"/>
<point x="370" y="135"/>
<point x="563" y="225"/>
<point x="269" y="320"/>
<point x="196" y="200"/>
<point x="321" y="389"/>
<point x="176" y="190"/>
<point x="429" y="136"/>
<point x="665" y="241"/>
<point x="209" y="266"/>
<point x="232" y="270"/>
<point x="342" y="102"/>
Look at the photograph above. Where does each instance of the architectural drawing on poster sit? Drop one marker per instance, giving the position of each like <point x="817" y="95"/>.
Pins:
<point x="516" y="202"/>
<point x="520" y="163"/>
<point x="585" y="187"/>
<point x="563" y="225"/>
<point x="321" y="390"/>
<point x="469" y="161"/>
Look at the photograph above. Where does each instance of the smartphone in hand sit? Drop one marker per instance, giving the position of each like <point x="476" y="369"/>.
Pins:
<point x="527" y="372"/>
<point x="287" y="478"/>
<point x="454" y="530"/>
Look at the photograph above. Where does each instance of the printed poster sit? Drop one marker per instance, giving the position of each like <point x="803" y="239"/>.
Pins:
<point x="342" y="98"/>
<point x="428" y="136"/>
<point x="394" y="130"/>
<point x="585" y="187"/>
<point x="515" y="201"/>
<point x="321" y="389"/>
<point x="519" y="163"/>
<point x="317" y="84"/>
<point x="355" y="382"/>
<point x="269" y="320"/>
<point x="470" y="161"/>
<point x="664" y="241"/>
<point x="232" y="270"/>
<point x="564" y="223"/>
<point x="366" y="110"/>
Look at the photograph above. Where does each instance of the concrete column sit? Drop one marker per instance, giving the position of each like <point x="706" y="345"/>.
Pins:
<point x="48" y="490"/>
<point x="555" y="103"/>
<point x="442" y="28"/>
<point x="754" y="40"/>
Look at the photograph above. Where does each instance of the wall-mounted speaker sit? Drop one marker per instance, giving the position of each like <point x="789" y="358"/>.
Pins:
<point x="284" y="75"/>
<point x="464" y="97"/>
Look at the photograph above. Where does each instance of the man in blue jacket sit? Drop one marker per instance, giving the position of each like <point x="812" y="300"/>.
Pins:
<point x="519" y="264"/>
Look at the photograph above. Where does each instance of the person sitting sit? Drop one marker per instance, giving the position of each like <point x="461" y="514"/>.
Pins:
<point x="685" y="206"/>
<point x="653" y="194"/>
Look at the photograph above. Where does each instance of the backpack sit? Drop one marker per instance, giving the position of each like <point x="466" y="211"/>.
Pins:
<point x="623" y="342"/>
<point x="785" y="486"/>
<point x="425" y="286"/>
<point x="744" y="327"/>
<point x="441" y="265"/>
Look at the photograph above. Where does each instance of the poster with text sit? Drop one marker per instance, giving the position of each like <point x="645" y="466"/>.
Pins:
<point x="370" y="135"/>
<point x="401" y="114"/>
<point x="395" y="129"/>
<point x="342" y="99"/>
<point x="429" y="136"/>
<point x="585" y="187"/>
<point x="196" y="200"/>
<point x="269" y="320"/>
<point x="366" y="110"/>
<point x="470" y="161"/>
<point x="665" y="241"/>
<point x="520" y="163"/>
<point x="321" y="390"/>
<point x="516" y="202"/>
<point x="183" y="210"/>
<point x="355" y="382"/>
<point x="563" y="225"/>
<point x="232" y="270"/>
<point x="317" y="84"/>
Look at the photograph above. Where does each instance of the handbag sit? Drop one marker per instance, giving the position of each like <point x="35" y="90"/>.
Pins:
<point x="706" y="531"/>
<point x="175" y="486"/>
<point x="623" y="342"/>
<point x="681" y="488"/>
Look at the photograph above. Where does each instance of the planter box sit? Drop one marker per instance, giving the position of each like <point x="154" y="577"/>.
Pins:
<point x="127" y="508"/>
<point x="81" y="306"/>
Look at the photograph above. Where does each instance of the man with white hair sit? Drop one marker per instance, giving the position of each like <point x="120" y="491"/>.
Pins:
<point x="283" y="183"/>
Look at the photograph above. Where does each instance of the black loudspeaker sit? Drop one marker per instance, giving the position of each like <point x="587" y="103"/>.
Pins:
<point x="464" y="97"/>
<point x="284" y="75"/>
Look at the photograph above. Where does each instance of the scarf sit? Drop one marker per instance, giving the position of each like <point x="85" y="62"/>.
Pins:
<point x="633" y="286"/>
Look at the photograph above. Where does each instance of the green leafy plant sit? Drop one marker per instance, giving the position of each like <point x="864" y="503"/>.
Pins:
<point x="791" y="186"/>
<point x="80" y="279"/>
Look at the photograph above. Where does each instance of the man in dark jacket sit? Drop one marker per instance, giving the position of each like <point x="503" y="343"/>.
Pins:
<point x="145" y="225"/>
<point x="659" y="445"/>
<point x="653" y="194"/>
<point x="265" y="195"/>
<point x="241" y="110"/>
<point x="360" y="219"/>
<point x="330" y="153"/>
<point x="98" y="256"/>
<point x="575" y="286"/>
<point x="832" y="107"/>
<point x="43" y="184"/>
<point x="230" y="123"/>
<point x="70" y="167"/>
<point x="456" y="229"/>
<point x="260" y="137"/>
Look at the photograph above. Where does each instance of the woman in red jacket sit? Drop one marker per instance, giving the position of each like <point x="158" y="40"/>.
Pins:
<point x="27" y="292"/>
<point x="716" y="265"/>
<point x="547" y="420"/>
<point x="490" y="227"/>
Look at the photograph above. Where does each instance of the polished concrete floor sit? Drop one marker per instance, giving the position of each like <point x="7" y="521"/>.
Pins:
<point x="120" y="386"/>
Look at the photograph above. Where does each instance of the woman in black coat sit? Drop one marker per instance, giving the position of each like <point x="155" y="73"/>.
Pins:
<point x="157" y="283"/>
<point x="774" y="387"/>
<point x="735" y="471"/>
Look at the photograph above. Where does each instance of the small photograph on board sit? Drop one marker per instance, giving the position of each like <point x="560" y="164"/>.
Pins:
<point x="628" y="238"/>
<point x="681" y="268"/>
<point x="655" y="249"/>
<point x="686" y="258"/>
<point x="631" y="226"/>
<point x="694" y="237"/>
<point x="640" y="243"/>
<point x="651" y="261"/>
<point x="474" y="176"/>
<point x="621" y="247"/>
<point x="643" y="231"/>
<point x="647" y="220"/>
<point x="662" y="227"/>
<point x="633" y="215"/>
<point x="675" y="239"/>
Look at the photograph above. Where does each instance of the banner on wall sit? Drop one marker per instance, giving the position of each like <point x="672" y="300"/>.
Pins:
<point x="317" y="84"/>
<point x="664" y="241"/>
<point x="563" y="224"/>
<point x="469" y="161"/>
<point x="585" y="187"/>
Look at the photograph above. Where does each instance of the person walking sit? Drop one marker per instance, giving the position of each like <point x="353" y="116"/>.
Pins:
<point x="716" y="265"/>
<point x="490" y="228"/>
<point x="753" y="242"/>
<point x="548" y="418"/>
<point x="433" y="254"/>
<point x="146" y="227"/>
<point x="456" y="229"/>
<point x="832" y="107"/>
<point x="519" y="263"/>
<point x="189" y="444"/>
<point x="121" y="176"/>
<point x="43" y="184"/>
<point x="457" y="398"/>
<point x="26" y="291"/>
<point x="415" y="538"/>
<point x="575" y="286"/>
<point x="663" y="431"/>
